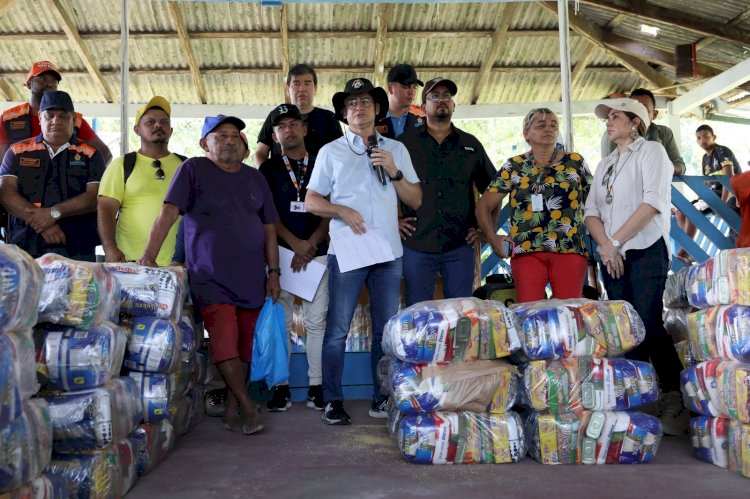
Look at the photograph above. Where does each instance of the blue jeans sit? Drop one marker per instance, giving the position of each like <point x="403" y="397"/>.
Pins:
<point x="456" y="268"/>
<point x="642" y="284"/>
<point x="383" y="282"/>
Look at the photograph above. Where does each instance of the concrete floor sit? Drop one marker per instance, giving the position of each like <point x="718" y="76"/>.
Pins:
<point x="298" y="456"/>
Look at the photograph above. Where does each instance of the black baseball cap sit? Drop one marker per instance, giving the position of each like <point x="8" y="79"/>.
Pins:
<point x="452" y="88"/>
<point x="285" y="111"/>
<point x="404" y="74"/>
<point x="56" y="99"/>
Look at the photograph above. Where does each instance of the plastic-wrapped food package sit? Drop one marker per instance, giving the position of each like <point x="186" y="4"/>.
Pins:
<point x="189" y="336"/>
<point x="721" y="332"/>
<point x="11" y="401"/>
<point x="160" y="439"/>
<point x="718" y="388"/>
<point x="128" y="450"/>
<point x="25" y="445"/>
<point x="573" y="384"/>
<point x="154" y="347"/>
<point x="21" y="282"/>
<point x="201" y="368"/>
<point x="709" y="438"/>
<point x="454" y="387"/>
<point x="723" y="279"/>
<point x="593" y="437"/>
<point x="359" y="337"/>
<point x="80" y="359"/>
<point x="138" y="442"/>
<point x="676" y="323"/>
<point x="675" y="289"/>
<point x="24" y="362"/>
<point x="149" y="291"/>
<point x="41" y="487"/>
<point x="89" y="475"/>
<point x="95" y="418"/>
<point x="738" y="272"/>
<point x="460" y="329"/>
<point x="179" y="414"/>
<point x="461" y="438"/>
<point x="685" y="353"/>
<point x="155" y="393"/>
<point x="554" y="329"/>
<point x="739" y="448"/>
<point x="79" y="294"/>
<point x="196" y="395"/>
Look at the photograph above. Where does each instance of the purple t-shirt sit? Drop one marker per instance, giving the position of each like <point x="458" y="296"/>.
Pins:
<point x="224" y="215"/>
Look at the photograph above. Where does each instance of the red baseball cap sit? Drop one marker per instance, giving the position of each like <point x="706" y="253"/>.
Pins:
<point x="41" y="67"/>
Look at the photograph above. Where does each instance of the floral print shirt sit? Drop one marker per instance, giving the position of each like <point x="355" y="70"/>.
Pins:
<point x="564" y="185"/>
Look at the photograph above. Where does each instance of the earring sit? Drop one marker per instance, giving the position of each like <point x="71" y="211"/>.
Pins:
<point x="633" y="133"/>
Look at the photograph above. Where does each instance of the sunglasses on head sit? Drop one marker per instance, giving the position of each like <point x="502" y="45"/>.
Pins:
<point x="159" y="173"/>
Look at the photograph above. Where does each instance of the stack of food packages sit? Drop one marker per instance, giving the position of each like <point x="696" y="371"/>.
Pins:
<point x="104" y="436"/>
<point x="451" y="402"/>
<point x="676" y="310"/>
<point x="25" y="426"/>
<point x="582" y="398"/>
<point x="450" y="398"/>
<point x="358" y="339"/>
<point x="718" y="386"/>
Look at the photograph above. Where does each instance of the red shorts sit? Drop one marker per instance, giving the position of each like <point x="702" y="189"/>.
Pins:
<point x="230" y="331"/>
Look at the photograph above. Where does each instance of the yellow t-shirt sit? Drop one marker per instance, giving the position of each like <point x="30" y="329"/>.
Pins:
<point x="140" y="200"/>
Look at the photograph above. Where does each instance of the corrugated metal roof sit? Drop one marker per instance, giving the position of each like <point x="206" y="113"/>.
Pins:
<point x="238" y="47"/>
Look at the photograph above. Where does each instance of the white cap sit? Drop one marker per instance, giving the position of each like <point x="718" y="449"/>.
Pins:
<point x="628" y="105"/>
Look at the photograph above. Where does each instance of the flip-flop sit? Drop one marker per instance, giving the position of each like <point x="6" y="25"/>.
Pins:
<point x="249" y="430"/>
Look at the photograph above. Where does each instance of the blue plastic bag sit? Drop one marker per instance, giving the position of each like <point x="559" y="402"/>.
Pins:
<point x="270" y="361"/>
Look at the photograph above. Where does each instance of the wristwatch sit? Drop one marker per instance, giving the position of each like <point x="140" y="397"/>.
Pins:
<point x="399" y="176"/>
<point x="277" y="270"/>
<point x="615" y="242"/>
<point x="55" y="213"/>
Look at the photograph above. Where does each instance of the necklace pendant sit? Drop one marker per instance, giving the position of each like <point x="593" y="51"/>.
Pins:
<point x="608" y="198"/>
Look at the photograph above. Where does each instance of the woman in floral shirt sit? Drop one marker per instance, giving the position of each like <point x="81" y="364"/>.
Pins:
<point x="547" y="188"/>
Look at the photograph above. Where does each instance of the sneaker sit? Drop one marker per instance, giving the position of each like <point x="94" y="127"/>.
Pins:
<point x="674" y="417"/>
<point x="280" y="401"/>
<point x="215" y="402"/>
<point x="379" y="410"/>
<point x="335" y="414"/>
<point x="315" y="398"/>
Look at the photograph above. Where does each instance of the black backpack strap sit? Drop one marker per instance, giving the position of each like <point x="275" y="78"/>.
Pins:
<point x="182" y="158"/>
<point x="127" y="166"/>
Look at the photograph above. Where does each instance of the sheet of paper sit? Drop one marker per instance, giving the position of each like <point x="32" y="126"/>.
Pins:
<point x="354" y="251"/>
<point x="303" y="283"/>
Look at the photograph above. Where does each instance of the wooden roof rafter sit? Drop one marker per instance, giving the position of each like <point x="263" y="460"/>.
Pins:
<point x="381" y="39"/>
<point x="490" y="56"/>
<point x="284" y="24"/>
<point x="176" y="15"/>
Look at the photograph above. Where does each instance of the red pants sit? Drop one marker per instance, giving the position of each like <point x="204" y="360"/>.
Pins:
<point x="532" y="271"/>
<point x="230" y="331"/>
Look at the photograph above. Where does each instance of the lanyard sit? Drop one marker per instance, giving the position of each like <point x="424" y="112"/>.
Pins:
<point x="531" y="160"/>
<point x="302" y="173"/>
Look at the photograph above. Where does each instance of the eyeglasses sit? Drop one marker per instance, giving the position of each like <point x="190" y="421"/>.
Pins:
<point x="362" y="101"/>
<point x="159" y="173"/>
<point x="438" y="98"/>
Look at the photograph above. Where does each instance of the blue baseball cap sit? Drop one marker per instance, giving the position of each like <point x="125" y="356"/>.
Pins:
<point x="212" y="122"/>
<point x="56" y="99"/>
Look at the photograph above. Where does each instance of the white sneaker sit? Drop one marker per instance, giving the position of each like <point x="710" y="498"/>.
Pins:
<point x="674" y="417"/>
<point x="379" y="410"/>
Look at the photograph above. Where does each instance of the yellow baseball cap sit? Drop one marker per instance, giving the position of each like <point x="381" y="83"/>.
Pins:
<point x="156" y="101"/>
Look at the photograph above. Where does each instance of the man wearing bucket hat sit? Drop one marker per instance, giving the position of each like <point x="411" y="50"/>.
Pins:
<point x="402" y="115"/>
<point x="357" y="182"/>
<point x="133" y="188"/>
<point x="440" y="235"/>
<point x="628" y="214"/>
<point x="22" y="122"/>
<point x="49" y="185"/>
<point x="229" y="217"/>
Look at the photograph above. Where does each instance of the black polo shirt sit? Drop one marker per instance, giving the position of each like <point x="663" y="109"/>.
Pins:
<point x="45" y="182"/>
<point x="448" y="173"/>
<point x="322" y="128"/>
<point x="302" y="225"/>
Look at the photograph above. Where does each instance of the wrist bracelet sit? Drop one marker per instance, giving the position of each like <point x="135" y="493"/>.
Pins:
<point x="276" y="269"/>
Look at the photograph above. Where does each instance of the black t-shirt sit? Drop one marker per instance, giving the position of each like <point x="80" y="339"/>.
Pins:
<point x="322" y="128"/>
<point x="302" y="225"/>
<point x="713" y="165"/>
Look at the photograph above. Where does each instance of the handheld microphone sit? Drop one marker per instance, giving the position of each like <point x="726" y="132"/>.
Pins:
<point x="372" y="142"/>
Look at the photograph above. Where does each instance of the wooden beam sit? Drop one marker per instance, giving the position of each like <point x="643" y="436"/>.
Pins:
<point x="736" y="20"/>
<point x="179" y="23"/>
<point x="596" y="35"/>
<point x="6" y="92"/>
<point x="6" y="5"/>
<point x="284" y="23"/>
<point x="71" y="32"/>
<point x="583" y="61"/>
<point x="616" y="21"/>
<point x="490" y="56"/>
<point x="661" y="15"/>
<point x="384" y="16"/>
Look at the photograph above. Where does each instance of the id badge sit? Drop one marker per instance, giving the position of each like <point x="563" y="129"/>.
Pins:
<point x="297" y="207"/>
<point x="537" y="202"/>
